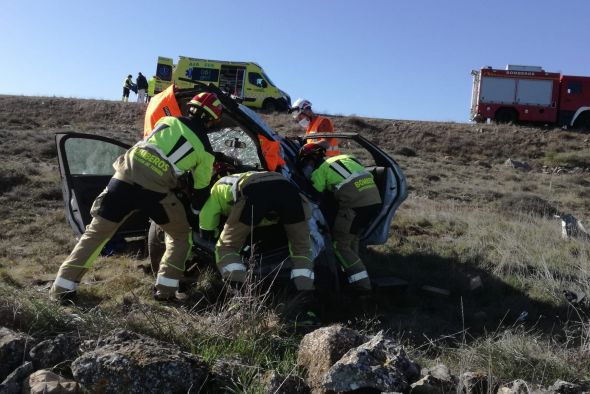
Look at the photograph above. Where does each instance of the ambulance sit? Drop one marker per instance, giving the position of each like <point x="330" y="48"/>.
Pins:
<point x="244" y="80"/>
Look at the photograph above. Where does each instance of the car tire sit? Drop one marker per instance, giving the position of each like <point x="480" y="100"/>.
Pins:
<point x="156" y="246"/>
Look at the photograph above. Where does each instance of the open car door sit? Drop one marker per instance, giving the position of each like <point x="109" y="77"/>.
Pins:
<point x="388" y="175"/>
<point x="85" y="167"/>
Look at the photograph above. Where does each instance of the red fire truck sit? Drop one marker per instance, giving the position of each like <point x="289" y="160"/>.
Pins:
<point x="528" y="94"/>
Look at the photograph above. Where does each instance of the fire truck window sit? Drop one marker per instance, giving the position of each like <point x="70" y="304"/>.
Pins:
<point x="574" y="87"/>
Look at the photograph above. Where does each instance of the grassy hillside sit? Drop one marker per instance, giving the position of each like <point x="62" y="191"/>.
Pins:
<point x="468" y="216"/>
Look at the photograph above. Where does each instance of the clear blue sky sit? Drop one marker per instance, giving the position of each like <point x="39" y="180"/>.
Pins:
<point x="384" y="58"/>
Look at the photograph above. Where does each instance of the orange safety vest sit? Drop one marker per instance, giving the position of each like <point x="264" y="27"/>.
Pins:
<point x="162" y="104"/>
<point x="271" y="150"/>
<point x="321" y="124"/>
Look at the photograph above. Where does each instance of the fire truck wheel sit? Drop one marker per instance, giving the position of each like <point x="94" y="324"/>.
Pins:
<point x="505" y="115"/>
<point x="583" y="122"/>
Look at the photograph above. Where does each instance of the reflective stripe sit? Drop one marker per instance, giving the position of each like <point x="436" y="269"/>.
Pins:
<point x="333" y="148"/>
<point x="358" y="276"/>
<point x="350" y="178"/>
<point x="162" y="280"/>
<point x="302" y="272"/>
<point x="143" y="144"/>
<point x="340" y="169"/>
<point x="180" y="152"/>
<point x="233" y="267"/>
<point x="65" y="283"/>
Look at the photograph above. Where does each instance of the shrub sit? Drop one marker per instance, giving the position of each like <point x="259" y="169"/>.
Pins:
<point x="569" y="159"/>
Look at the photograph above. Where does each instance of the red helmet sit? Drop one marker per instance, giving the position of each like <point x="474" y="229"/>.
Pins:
<point x="209" y="103"/>
<point x="311" y="151"/>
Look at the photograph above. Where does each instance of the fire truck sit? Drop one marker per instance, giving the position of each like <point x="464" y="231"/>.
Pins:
<point x="529" y="94"/>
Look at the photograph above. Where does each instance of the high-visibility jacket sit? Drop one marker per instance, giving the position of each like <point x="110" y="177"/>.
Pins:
<point x="184" y="148"/>
<point x="351" y="183"/>
<point x="224" y="194"/>
<point x="321" y="124"/>
<point x="271" y="150"/>
<point x="162" y="104"/>
<point x="128" y="83"/>
<point x="151" y="86"/>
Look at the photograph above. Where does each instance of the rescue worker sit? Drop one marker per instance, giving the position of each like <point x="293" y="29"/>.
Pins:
<point x="247" y="200"/>
<point x="151" y="88"/>
<point x="271" y="150"/>
<point x="358" y="200"/>
<point x="142" y="85"/>
<point x="163" y="104"/>
<point x="176" y="155"/>
<point x="127" y="85"/>
<point x="313" y="123"/>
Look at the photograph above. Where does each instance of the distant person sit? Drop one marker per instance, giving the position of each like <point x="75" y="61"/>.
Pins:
<point x="151" y="90"/>
<point x="127" y="86"/>
<point x="313" y="123"/>
<point x="142" y="86"/>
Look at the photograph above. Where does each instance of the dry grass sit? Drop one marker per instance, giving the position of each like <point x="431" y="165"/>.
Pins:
<point x="467" y="215"/>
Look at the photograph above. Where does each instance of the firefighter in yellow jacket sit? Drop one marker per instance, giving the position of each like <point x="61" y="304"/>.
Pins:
<point x="177" y="154"/>
<point x="358" y="201"/>
<point x="247" y="200"/>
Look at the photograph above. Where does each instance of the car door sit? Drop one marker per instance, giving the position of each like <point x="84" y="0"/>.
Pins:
<point x="388" y="175"/>
<point x="86" y="166"/>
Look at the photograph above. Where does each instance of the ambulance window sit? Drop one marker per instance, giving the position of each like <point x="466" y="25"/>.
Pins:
<point x="257" y="80"/>
<point x="164" y="72"/>
<point x="204" y="74"/>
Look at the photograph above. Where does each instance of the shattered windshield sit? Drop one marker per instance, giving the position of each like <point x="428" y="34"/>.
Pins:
<point x="235" y="143"/>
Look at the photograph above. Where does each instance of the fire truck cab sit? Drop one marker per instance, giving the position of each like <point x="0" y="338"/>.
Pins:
<point x="529" y="94"/>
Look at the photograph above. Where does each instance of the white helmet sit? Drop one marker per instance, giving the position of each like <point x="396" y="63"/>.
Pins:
<point x="299" y="106"/>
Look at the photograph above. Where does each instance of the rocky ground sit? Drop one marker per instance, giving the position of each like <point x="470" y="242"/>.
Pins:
<point x="494" y="294"/>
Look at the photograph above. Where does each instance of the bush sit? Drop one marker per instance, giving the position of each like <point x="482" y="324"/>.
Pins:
<point x="569" y="159"/>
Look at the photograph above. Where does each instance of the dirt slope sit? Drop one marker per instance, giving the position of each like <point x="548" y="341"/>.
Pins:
<point x="467" y="215"/>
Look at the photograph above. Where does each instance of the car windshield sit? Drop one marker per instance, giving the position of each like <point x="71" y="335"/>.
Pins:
<point x="234" y="142"/>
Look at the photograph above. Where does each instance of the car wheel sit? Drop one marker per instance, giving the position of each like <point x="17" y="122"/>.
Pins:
<point x="156" y="246"/>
